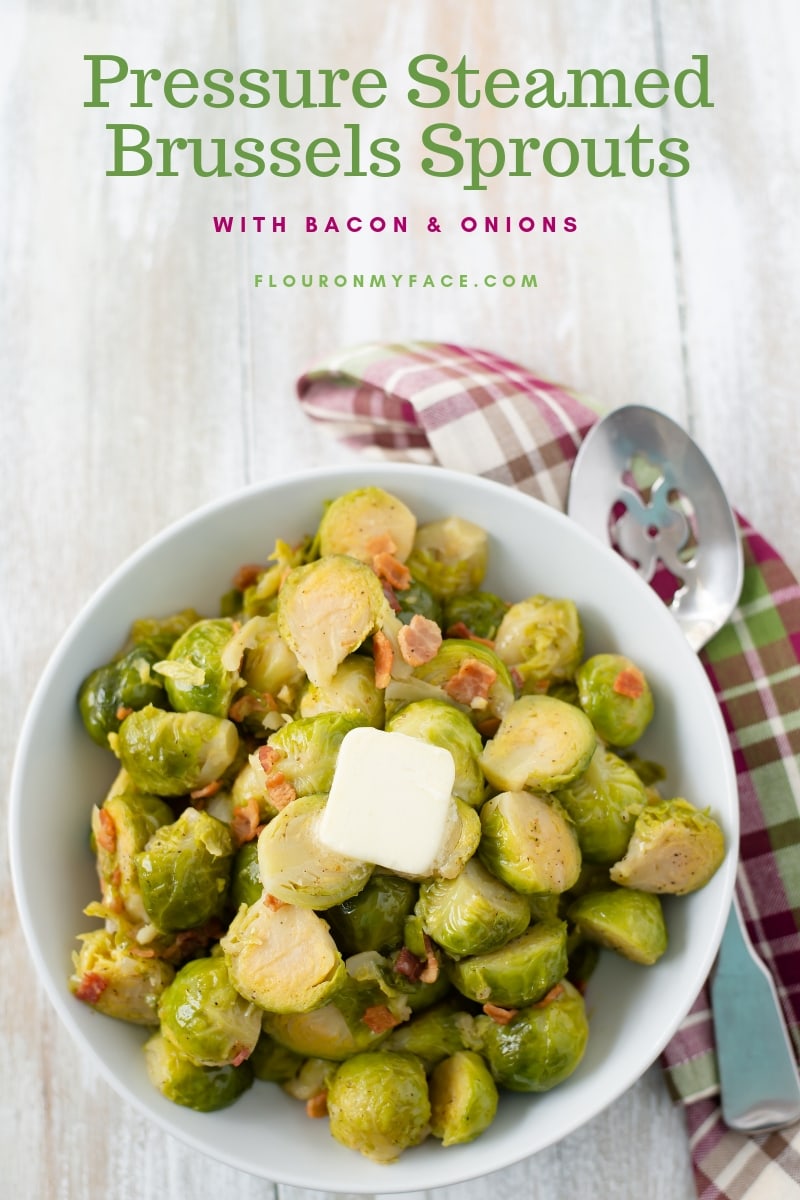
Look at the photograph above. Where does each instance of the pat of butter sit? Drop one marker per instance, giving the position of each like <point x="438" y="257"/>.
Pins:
<point x="391" y="801"/>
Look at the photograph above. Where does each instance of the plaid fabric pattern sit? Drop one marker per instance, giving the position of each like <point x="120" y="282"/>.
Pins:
<point x="473" y="411"/>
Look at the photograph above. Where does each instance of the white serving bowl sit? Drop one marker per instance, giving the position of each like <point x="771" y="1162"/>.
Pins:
<point x="633" y="1010"/>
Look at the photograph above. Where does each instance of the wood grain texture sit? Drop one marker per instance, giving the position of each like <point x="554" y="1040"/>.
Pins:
<point x="143" y="374"/>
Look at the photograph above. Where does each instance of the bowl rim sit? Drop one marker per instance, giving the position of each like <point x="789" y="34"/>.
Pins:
<point x="359" y="473"/>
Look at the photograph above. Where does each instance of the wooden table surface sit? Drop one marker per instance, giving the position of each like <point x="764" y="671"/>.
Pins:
<point x="143" y="374"/>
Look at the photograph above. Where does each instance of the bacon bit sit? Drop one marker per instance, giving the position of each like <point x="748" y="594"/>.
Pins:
<point x="246" y="576"/>
<point x="516" y="678"/>
<point x="419" y="641"/>
<point x="268" y="756"/>
<point x="252" y="702"/>
<point x="273" y="903"/>
<point x="242" y="1055"/>
<point x="245" y="822"/>
<point x="281" y="792"/>
<point x="107" y="833"/>
<point x="460" y="630"/>
<point x="390" y="569"/>
<point x="189" y="940"/>
<point x="91" y="987"/>
<point x="205" y="793"/>
<point x="394" y="603"/>
<point x="430" y="972"/>
<point x="473" y="680"/>
<point x="382" y="543"/>
<point x="552" y="995"/>
<point x="122" y="712"/>
<point x="380" y="1019"/>
<point x="629" y="682"/>
<point x="383" y="654"/>
<point x="317" y="1106"/>
<point x="501" y="1016"/>
<point x="142" y="951"/>
<point x="408" y="964"/>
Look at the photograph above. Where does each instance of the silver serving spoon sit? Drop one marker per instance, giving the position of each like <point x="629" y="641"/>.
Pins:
<point x="640" y="484"/>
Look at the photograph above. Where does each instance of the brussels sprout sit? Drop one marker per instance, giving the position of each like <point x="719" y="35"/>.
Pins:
<point x="161" y="633"/>
<point x="410" y="984"/>
<point x="603" y="803"/>
<point x="352" y="690"/>
<point x="518" y="973"/>
<point x="542" y="639"/>
<point x="674" y="848"/>
<point x="116" y="982"/>
<point x="250" y="785"/>
<point x="283" y="958"/>
<point x="172" y="753"/>
<point x="418" y="599"/>
<point x="374" y="919"/>
<point x="542" y="743"/>
<point x="583" y="959"/>
<point x="472" y="913"/>
<point x="311" y="1080"/>
<point x="442" y="724"/>
<point x="462" y="836"/>
<point x="204" y="1017"/>
<point x="347" y="1024"/>
<point x="359" y="523"/>
<point x="541" y="1046"/>
<point x="297" y="868"/>
<point x="263" y="660"/>
<point x="480" y="612"/>
<point x="272" y="1062"/>
<point x="184" y="871"/>
<point x="195" y="679"/>
<point x="121" y="686"/>
<point x="378" y="1104"/>
<point x="449" y="556"/>
<point x="204" y="1089"/>
<point x="308" y="749"/>
<point x="463" y="667"/>
<point x="544" y="906"/>
<point x="326" y="609"/>
<point x="246" y="887"/>
<point x="434" y="1034"/>
<point x="121" y="829"/>
<point x="616" y="697"/>
<point x="463" y="1098"/>
<point x="259" y="598"/>
<point x="529" y="842"/>
<point x="624" y="920"/>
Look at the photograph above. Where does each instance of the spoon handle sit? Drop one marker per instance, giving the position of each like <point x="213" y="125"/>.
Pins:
<point x="759" y="1082"/>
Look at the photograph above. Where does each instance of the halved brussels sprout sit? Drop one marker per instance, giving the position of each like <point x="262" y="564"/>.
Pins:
<point x="529" y="842"/>
<point x="434" y="1034"/>
<point x="449" y="556"/>
<point x="472" y="913"/>
<point x="541" y="1046"/>
<point x="121" y="686"/>
<point x="542" y="639"/>
<point x="630" y="922"/>
<point x="120" y="830"/>
<point x="542" y="743"/>
<point x="309" y="747"/>
<point x="184" y="871"/>
<point x="246" y="886"/>
<point x="194" y="676"/>
<point x="263" y="660"/>
<point x="297" y="868"/>
<point x="480" y="612"/>
<point x="616" y="697"/>
<point x="116" y="982"/>
<point x="463" y="1098"/>
<point x="471" y="676"/>
<point x="675" y="847"/>
<point x="272" y="1062"/>
<point x="518" y="973"/>
<point x="417" y="599"/>
<point x="409" y="984"/>
<point x="603" y="803"/>
<point x="459" y="843"/>
<point x="312" y="1080"/>
<point x="204" y="1089"/>
<point x="441" y="724"/>
<point x="352" y="690"/>
<point x="348" y="1024"/>
<point x="283" y="958"/>
<point x="378" y="1104"/>
<point x="170" y="753"/>
<point x="359" y="521"/>
<point x="326" y="609"/>
<point x="374" y="919"/>
<point x="204" y="1017"/>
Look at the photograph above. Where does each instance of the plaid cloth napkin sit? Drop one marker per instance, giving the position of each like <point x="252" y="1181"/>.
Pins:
<point x="472" y="411"/>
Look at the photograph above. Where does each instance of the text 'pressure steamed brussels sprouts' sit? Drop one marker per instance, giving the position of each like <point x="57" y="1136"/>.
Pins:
<point x="371" y="827"/>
